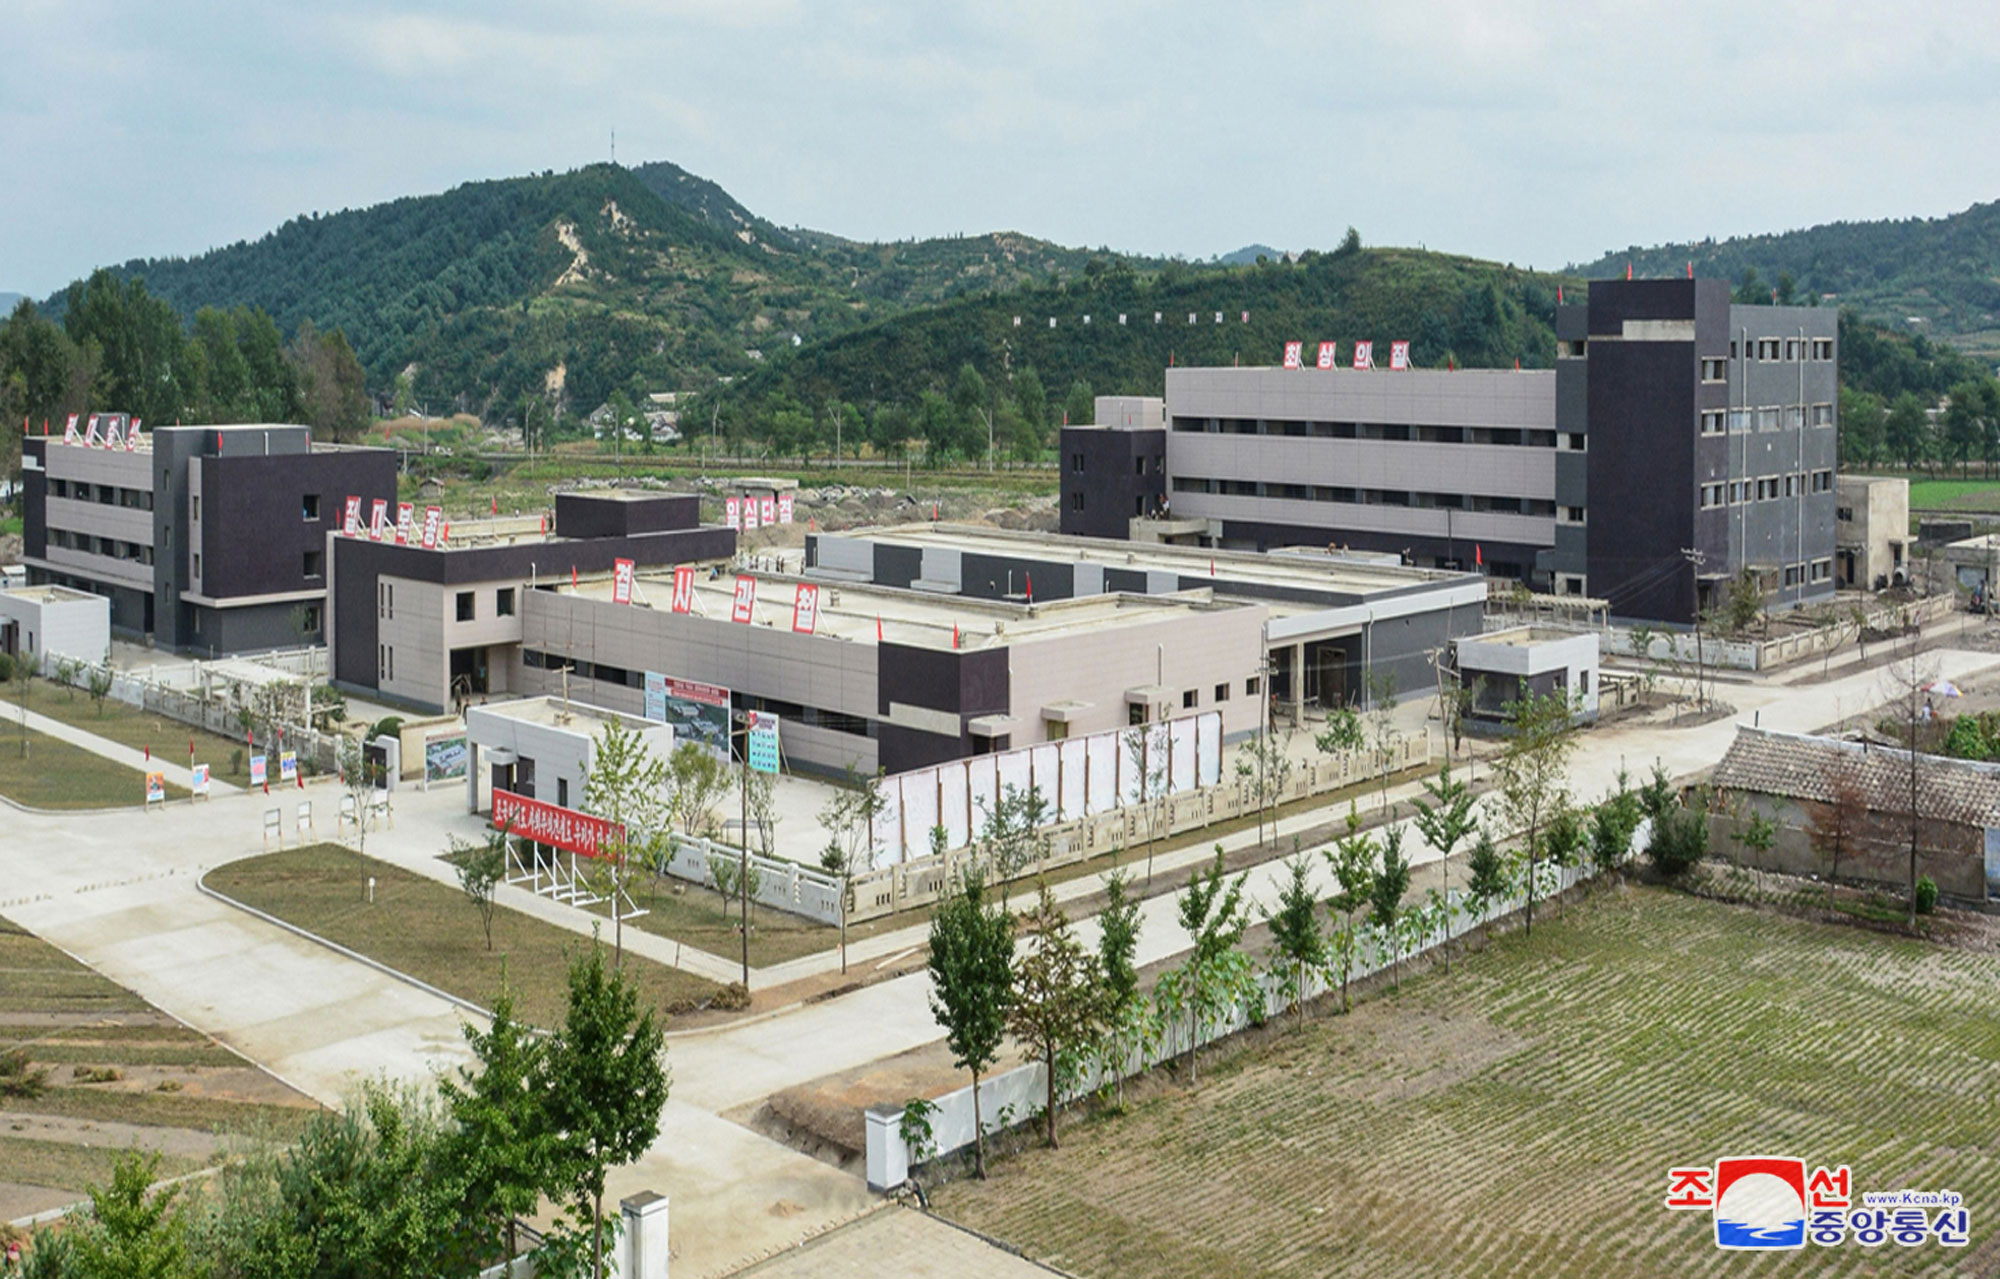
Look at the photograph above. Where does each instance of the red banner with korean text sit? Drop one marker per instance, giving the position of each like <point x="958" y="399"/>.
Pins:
<point x="565" y="828"/>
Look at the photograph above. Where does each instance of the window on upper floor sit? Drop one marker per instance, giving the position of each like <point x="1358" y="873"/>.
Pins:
<point x="309" y="506"/>
<point x="467" y="609"/>
<point x="1715" y="370"/>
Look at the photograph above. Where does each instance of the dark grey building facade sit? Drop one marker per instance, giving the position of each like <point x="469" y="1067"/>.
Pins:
<point x="205" y="539"/>
<point x="1679" y="441"/>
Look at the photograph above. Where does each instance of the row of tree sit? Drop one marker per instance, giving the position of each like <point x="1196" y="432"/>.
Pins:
<point x="400" y="1183"/>
<point x="1913" y="431"/>
<point x="120" y="349"/>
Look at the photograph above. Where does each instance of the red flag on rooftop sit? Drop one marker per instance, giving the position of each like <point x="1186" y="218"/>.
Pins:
<point x="1690" y="270"/>
<point x="878" y="628"/>
<point x="496" y="503"/>
<point x="572" y="577"/>
<point x="1031" y="588"/>
<point x="1559" y="295"/>
<point x="1628" y="270"/>
<point x="954" y="634"/>
<point x="1517" y="364"/>
<point x="1479" y="555"/>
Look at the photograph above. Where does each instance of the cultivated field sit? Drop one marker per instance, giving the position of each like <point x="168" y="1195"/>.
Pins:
<point x="104" y="1070"/>
<point x="1518" y="1116"/>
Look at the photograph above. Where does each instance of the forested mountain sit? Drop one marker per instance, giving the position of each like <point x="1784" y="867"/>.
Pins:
<point x="1943" y="272"/>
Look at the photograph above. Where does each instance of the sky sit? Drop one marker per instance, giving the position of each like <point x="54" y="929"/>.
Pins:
<point x="1525" y="131"/>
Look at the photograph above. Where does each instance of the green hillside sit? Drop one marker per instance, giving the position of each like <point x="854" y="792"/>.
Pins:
<point x="1942" y="272"/>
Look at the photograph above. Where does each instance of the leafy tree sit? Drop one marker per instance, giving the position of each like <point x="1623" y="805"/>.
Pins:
<point x="1385" y="894"/>
<point x="851" y="815"/>
<point x="1118" y="926"/>
<point x="626" y="785"/>
<point x="1079" y="404"/>
<point x="500" y="1142"/>
<point x="608" y="1083"/>
<point x="1215" y="977"/>
<point x="1532" y="772"/>
<point x="1352" y="860"/>
<point x="1862" y="425"/>
<point x="1297" y="944"/>
<point x="1264" y="764"/>
<point x="133" y="1232"/>
<point x="696" y="780"/>
<point x="1016" y="833"/>
<point x="1343" y="733"/>
<point x="1907" y="430"/>
<point x="1382" y="724"/>
<point x="1757" y="835"/>
<point x="481" y="867"/>
<point x="1840" y="821"/>
<point x="332" y="386"/>
<point x="358" y="781"/>
<point x="1657" y="797"/>
<point x="1564" y="838"/>
<point x="1612" y="826"/>
<point x="1149" y="790"/>
<point x="1679" y="842"/>
<point x="1059" y="1002"/>
<point x="1446" y="818"/>
<point x="1487" y="882"/>
<point x="971" y="967"/>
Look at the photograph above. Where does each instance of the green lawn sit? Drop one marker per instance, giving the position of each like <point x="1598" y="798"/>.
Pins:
<point x="430" y="931"/>
<point x="698" y="916"/>
<point x="1517" y="1117"/>
<point x="63" y="1165"/>
<point x="51" y="773"/>
<point x="114" y="721"/>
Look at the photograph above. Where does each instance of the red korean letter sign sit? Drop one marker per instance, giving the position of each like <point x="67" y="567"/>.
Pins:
<point x="1364" y="355"/>
<point x="767" y="512"/>
<point x="746" y="600"/>
<point x="405" y="519"/>
<point x="1399" y="355"/>
<point x="1295" y="355"/>
<point x="350" y="523"/>
<point x="784" y="508"/>
<point x="684" y="588"/>
<point x="731" y="508"/>
<point x="805" y="609"/>
<point x="433" y="525"/>
<point x="621" y="581"/>
<point x="378" y="519"/>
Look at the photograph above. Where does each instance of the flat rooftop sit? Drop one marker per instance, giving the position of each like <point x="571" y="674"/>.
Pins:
<point x="552" y="712"/>
<point x="852" y="612"/>
<point x="1295" y="569"/>
<point x="47" y="594"/>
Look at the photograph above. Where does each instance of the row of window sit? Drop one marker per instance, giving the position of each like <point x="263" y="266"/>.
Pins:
<point x="103" y="494"/>
<point x="1366" y="497"/>
<point x="1785" y="350"/>
<point x="1769" y="488"/>
<point x="93" y="545"/>
<point x="467" y="604"/>
<point x="1510" y="436"/>
<point x="1769" y="417"/>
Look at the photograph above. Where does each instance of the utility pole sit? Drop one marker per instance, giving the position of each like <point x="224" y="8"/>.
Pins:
<point x="743" y="858"/>
<point x="1696" y="558"/>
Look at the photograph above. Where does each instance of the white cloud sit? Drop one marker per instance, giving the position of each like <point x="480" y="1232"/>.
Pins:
<point x="1525" y="130"/>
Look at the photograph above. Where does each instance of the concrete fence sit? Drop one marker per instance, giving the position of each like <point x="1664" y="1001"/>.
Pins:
<point x="1012" y="1096"/>
<point x="782" y="885"/>
<point x="919" y="881"/>
<point x="316" y="750"/>
<point x="1755" y="654"/>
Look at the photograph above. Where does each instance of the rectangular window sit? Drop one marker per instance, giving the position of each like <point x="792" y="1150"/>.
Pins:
<point x="392" y="661"/>
<point x="503" y="601"/>
<point x="1076" y="463"/>
<point x="309" y="618"/>
<point x="195" y="511"/>
<point x="1795" y="416"/>
<point x="1822" y="348"/>
<point x="1076" y="500"/>
<point x="1712" y="421"/>
<point x="1791" y="349"/>
<point x="1138" y="466"/>
<point x="1222" y="692"/>
<point x="1822" y="415"/>
<point x="1791" y="575"/>
<point x="1739" y="420"/>
<point x="1767" y="418"/>
<point x="1189" y="700"/>
<point x="392" y="601"/>
<point x="1571" y="514"/>
<point x="312" y="563"/>
<point x="1250" y="687"/>
<point x="1714" y="370"/>
<point x="310" y="507"/>
<point x="1159" y="463"/>
<point x="465" y="606"/>
<point x="197" y="563"/>
<point x="562" y="792"/>
<point x="1822" y="570"/>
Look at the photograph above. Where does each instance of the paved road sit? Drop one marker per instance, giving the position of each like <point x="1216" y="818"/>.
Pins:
<point x="119" y="891"/>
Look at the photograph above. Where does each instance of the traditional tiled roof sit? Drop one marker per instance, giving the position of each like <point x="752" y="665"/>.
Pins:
<point x="1797" y="767"/>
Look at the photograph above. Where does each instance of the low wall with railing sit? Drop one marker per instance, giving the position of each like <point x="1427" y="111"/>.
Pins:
<point x="782" y="885"/>
<point x="920" y="880"/>
<point x="1011" y="1096"/>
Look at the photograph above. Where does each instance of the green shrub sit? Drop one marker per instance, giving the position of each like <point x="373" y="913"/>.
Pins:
<point x="1968" y="739"/>
<point x="6" y="668"/>
<point x="387" y="726"/>
<point x="1680" y="840"/>
<point x="1927" y="894"/>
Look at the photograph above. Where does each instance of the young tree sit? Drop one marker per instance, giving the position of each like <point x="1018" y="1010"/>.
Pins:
<point x="1342" y="734"/>
<point x="1216" y="975"/>
<point x="1382" y="724"/>
<point x="1264" y="763"/>
<point x="697" y="780"/>
<point x="1059" y="1001"/>
<point x="501" y="1143"/>
<point x="851" y="815"/>
<point x="358" y="775"/>
<point x="1148" y="789"/>
<point x="972" y="983"/>
<point x="1908" y="680"/>
<point x="1352" y="861"/>
<point x="606" y="1084"/>
<point x="626" y="785"/>
<point x="1015" y="833"/>
<point x="762" y="796"/>
<point x="1118" y="927"/>
<point x="1757" y="835"/>
<point x="1533" y="771"/>
<point x="1446" y="819"/>
<point x="1563" y="840"/>
<point x="100" y="684"/>
<point x="1488" y="876"/>
<point x="481" y="867"/>
<point x="1297" y="944"/>
<point x="1385" y="895"/>
<point x="1838" y="822"/>
<point x="1612" y="826"/>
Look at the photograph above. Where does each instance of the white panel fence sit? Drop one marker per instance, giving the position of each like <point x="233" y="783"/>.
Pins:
<point x="1014" y="1096"/>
